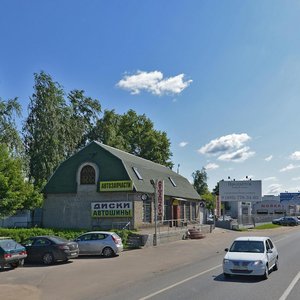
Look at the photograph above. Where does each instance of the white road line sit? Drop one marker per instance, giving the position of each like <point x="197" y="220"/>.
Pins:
<point x="179" y="282"/>
<point x="290" y="287"/>
<point x="283" y="238"/>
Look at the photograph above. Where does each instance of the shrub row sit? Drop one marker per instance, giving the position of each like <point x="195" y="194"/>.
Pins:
<point x="21" y="234"/>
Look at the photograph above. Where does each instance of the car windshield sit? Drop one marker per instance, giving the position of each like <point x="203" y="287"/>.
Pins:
<point x="9" y="244"/>
<point x="247" y="246"/>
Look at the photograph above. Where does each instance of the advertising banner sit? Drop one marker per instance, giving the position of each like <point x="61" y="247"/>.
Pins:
<point x="111" y="209"/>
<point x="244" y="190"/>
<point x="116" y="186"/>
<point x="160" y="198"/>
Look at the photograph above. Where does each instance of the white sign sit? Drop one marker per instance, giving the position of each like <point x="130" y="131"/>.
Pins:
<point x="111" y="209"/>
<point x="160" y="198"/>
<point x="244" y="191"/>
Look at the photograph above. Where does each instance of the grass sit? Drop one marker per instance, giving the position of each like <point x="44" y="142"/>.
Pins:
<point x="267" y="226"/>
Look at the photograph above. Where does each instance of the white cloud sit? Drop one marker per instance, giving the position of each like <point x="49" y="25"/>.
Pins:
<point x="269" y="158"/>
<point x="183" y="144"/>
<point x="225" y="144"/>
<point x="270" y="179"/>
<point x="296" y="178"/>
<point x="289" y="168"/>
<point x="295" y="155"/>
<point x="154" y="83"/>
<point x="274" y="189"/>
<point x="211" y="166"/>
<point x="237" y="156"/>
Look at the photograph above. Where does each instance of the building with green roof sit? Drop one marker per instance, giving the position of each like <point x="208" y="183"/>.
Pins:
<point x="103" y="187"/>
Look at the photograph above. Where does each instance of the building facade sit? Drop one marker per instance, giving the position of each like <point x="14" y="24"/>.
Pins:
<point x="103" y="187"/>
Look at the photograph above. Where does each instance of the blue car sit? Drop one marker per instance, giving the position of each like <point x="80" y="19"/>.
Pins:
<point x="12" y="254"/>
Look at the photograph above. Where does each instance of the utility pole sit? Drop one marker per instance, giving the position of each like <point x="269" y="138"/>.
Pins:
<point x="154" y="184"/>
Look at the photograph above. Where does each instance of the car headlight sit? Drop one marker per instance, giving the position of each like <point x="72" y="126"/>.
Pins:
<point x="257" y="263"/>
<point x="226" y="261"/>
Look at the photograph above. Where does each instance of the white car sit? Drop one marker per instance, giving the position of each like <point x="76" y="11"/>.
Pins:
<point x="99" y="243"/>
<point x="250" y="256"/>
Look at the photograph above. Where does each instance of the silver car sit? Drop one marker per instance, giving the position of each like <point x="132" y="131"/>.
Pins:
<point x="102" y="243"/>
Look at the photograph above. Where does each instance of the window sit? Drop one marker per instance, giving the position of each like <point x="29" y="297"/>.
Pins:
<point x="187" y="212"/>
<point x="193" y="211"/>
<point x="138" y="175"/>
<point x="147" y="211"/>
<point x="87" y="175"/>
<point x="172" y="181"/>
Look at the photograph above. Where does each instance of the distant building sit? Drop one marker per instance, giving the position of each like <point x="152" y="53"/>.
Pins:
<point x="268" y="207"/>
<point x="271" y="197"/>
<point x="288" y="196"/>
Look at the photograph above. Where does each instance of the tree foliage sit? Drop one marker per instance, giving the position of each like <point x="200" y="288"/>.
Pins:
<point x="200" y="181"/>
<point x="210" y="201"/>
<point x="45" y="128"/>
<point x="216" y="190"/>
<point x="83" y="115"/>
<point x="15" y="192"/>
<point x="135" y="134"/>
<point x="9" y="134"/>
<point x="55" y="128"/>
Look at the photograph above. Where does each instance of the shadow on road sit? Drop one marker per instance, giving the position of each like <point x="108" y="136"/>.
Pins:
<point x="239" y="278"/>
<point x="41" y="265"/>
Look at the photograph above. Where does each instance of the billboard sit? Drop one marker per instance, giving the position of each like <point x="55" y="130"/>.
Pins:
<point x="121" y="209"/>
<point x="116" y="186"/>
<point x="244" y="190"/>
<point x="160" y="198"/>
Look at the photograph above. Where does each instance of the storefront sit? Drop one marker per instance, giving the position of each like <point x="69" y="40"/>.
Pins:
<point x="103" y="187"/>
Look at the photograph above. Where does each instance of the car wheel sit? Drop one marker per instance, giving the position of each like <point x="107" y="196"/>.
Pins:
<point x="14" y="264"/>
<point x="266" y="274"/>
<point x="48" y="259"/>
<point x="107" y="252"/>
<point x="276" y="265"/>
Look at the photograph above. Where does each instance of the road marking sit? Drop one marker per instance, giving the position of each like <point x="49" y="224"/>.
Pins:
<point x="290" y="287"/>
<point x="283" y="238"/>
<point x="180" y="282"/>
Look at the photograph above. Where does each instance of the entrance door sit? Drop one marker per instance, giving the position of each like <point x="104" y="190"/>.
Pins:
<point x="176" y="214"/>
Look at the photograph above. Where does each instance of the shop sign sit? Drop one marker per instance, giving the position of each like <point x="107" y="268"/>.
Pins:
<point x="160" y="197"/>
<point x="111" y="209"/>
<point x="116" y="186"/>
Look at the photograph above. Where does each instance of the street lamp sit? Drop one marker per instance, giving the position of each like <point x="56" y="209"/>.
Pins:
<point x="154" y="184"/>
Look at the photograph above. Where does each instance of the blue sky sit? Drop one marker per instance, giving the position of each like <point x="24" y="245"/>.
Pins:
<point x="221" y="78"/>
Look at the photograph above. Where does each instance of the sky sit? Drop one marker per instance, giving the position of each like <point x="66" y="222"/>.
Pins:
<point x="220" y="77"/>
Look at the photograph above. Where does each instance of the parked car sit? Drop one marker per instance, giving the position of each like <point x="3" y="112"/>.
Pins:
<point x="250" y="256"/>
<point x="99" y="243"/>
<point x="11" y="253"/>
<point x="225" y="218"/>
<point x="49" y="249"/>
<point x="290" y="221"/>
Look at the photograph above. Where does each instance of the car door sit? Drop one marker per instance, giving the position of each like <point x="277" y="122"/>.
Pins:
<point x="271" y="252"/>
<point x="39" y="247"/>
<point x="84" y="243"/>
<point x="28" y="244"/>
<point x="98" y="242"/>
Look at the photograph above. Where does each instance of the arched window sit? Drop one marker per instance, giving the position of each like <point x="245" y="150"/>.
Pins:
<point x="87" y="175"/>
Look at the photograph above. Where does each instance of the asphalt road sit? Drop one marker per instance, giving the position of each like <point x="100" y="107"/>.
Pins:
<point x="189" y="269"/>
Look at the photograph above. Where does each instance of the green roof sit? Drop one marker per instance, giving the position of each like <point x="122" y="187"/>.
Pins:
<point x="115" y="164"/>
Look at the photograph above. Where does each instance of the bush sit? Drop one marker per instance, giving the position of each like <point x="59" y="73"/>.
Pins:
<point x="21" y="234"/>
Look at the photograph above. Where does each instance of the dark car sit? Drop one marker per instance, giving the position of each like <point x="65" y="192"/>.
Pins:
<point x="11" y="253"/>
<point x="50" y="249"/>
<point x="289" y="221"/>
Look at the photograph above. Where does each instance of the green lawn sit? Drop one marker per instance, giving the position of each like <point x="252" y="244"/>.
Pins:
<point x="267" y="226"/>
